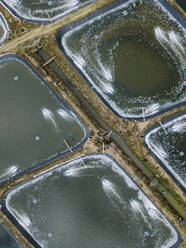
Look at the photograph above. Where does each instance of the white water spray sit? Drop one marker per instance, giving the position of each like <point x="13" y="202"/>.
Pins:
<point x="48" y="115"/>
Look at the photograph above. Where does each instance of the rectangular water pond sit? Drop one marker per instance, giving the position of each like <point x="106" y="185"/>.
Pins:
<point x="169" y="146"/>
<point x="34" y="120"/>
<point x="43" y="10"/>
<point x="3" y="29"/>
<point x="92" y="204"/>
<point x="7" y="240"/>
<point x="132" y="55"/>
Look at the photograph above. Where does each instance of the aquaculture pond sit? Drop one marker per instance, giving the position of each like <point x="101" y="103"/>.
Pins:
<point x="91" y="202"/>
<point x="131" y="54"/>
<point x="43" y="10"/>
<point x="6" y="239"/>
<point x="168" y="144"/>
<point x="35" y="122"/>
<point x="3" y="29"/>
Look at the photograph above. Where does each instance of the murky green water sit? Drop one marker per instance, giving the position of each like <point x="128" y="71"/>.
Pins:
<point x="133" y="57"/>
<point x="34" y="123"/>
<point x="43" y="10"/>
<point x="95" y="206"/>
<point x="170" y="147"/>
<point x="6" y="240"/>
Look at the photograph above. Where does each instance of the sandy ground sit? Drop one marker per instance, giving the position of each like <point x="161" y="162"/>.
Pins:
<point x="25" y="44"/>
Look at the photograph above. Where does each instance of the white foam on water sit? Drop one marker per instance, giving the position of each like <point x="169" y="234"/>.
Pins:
<point x="105" y="77"/>
<point x="118" y="170"/>
<point x="149" y="206"/>
<point x="157" y="215"/>
<point x="27" y="224"/>
<point x="78" y="170"/>
<point x="159" y="151"/>
<point x="176" y="125"/>
<point x="176" y="40"/>
<point x="24" y="219"/>
<point x="11" y="171"/>
<point x="137" y="207"/>
<point x="74" y="171"/>
<point x="111" y="191"/>
<point x="79" y="60"/>
<point x="170" y="16"/>
<point x="109" y="187"/>
<point x="152" y="109"/>
<point x="64" y="114"/>
<point x="171" y="40"/>
<point x="48" y="115"/>
<point x="105" y="70"/>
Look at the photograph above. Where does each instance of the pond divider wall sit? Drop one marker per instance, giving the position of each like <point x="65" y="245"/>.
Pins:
<point x="164" y="121"/>
<point x="5" y="57"/>
<point x="95" y="14"/>
<point x="32" y="240"/>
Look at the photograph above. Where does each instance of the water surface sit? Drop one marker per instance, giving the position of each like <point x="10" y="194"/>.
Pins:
<point x="92" y="204"/>
<point x="133" y="57"/>
<point x="34" y="121"/>
<point x="43" y="10"/>
<point x="170" y="146"/>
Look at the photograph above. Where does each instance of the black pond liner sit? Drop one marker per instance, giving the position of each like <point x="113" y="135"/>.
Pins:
<point x="33" y="241"/>
<point x="5" y="27"/>
<point x="166" y="120"/>
<point x="96" y="13"/>
<point x="62" y="154"/>
<point x="14" y="13"/>
<point x="11" y="236"/>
